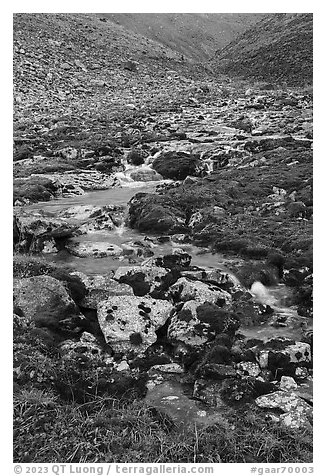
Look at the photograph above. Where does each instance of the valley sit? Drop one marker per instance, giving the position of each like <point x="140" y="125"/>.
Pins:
<point x="162" y="250"/>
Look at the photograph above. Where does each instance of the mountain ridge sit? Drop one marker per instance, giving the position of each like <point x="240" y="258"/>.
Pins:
<point x="279" y="47"/>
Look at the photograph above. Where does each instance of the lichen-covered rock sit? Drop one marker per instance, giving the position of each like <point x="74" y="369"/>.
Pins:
<point x="45" y="301"/>
<point x="197" y="323"/>
<point x="81" y="212"/>
<point x="145" y="175"/>
<point x="129" y="323"/>
<point x="152" y="280"/>
<point x="297" y="413"/>
<point x="97" y="249"/>
<point x="91" y="218"/>
<point x="288" y="383"/>
<point x="281" y="400"/>
<point x="215" y="276"/>
<point x="248" y="368"/>
<point x="284" y="355"/>
<point x="84" y="350"/>
<point x="160" y="373"/>
<point x="186" y="290"/>
<point x="33" y="229"/>
<point x="99" y="288"/>
<point x="178" y="259"/>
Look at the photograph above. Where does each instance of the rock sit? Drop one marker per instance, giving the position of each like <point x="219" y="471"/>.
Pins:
<point x="68" y="153"/>
<point x="76" y="183"/>
<point x="283" y="358"/>
<point x="33" y="229"/>
<point x="202" y="217"/>
<point x="242" y="123"/>
<point x="176" y="165"/>
<point x="297" y="413"/>
<point x="301" y="373"/>
<point x="151" y="213"/>
<point x="129" y="324"/>
<point x="92" y="218"/>
<point x="130" y="66"/>
<point x="186" y="290"/>
<point x="168" y="368"/>
<point x="216" y="371"/>
<point x="81" y="212"/>
<point x="180" y="238"/>
<point x="98" y="249"/>
<point x="84" y="350"/>
<point x="45" y="301"/>
<point x="288" y="383"/>
<point x="216" y="277"/>
<point x="250" y="369"/>
<point x="136" y="156"/>
<point x="169" y="399"/>
<point x="145" y="175"/>
<point x="244" y="390"/>
<point x="176" y="260"/>
<point x="196" y="323"/>
<point x="297" y="419"/>
<point x="248" y="311"/>
<point x="151" y="280"/>
<point x="99" y="288"/>
<point x="122" y="367"/>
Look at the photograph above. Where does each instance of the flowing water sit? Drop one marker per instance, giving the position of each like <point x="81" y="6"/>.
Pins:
<point x="168" y="397"/>
<point x="276" y="296"/>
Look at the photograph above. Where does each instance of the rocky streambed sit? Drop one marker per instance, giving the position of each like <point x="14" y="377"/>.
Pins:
<point x="176" y="274"/>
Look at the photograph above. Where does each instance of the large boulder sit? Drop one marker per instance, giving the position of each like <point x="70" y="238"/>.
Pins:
<point x="45" y="301"/>
<point x="198" y="323"/>
<point x="186" y="290"/>
<point x="129" y="324"/>
<point x="176" y="165"/>
<point x="152" y="213"/>
<point x="33" y="230"/>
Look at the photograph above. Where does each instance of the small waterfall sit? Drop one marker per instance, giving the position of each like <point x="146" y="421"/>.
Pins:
<point x="208" y="163"/>
<point x="121" y="228"/>
<point x="210" y="166"/>
<point x="261" y="294"/>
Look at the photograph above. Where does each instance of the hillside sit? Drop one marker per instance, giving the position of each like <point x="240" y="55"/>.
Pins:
<point x="279" y="47"/>
<point x="83" y="73"/>
<point x="194" y="35"/>
<point x="163" y="258"/>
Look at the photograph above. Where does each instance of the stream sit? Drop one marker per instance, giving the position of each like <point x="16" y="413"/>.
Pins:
<point x="170" y="396"/>
<point x="276" y="296"/>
